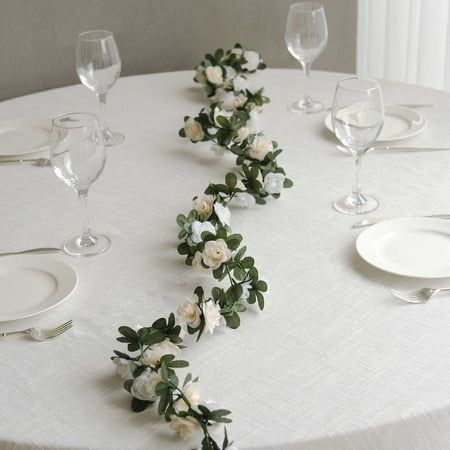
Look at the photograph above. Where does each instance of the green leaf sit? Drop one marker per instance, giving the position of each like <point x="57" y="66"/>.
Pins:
<point x="248" y="262"/>
<point x="231" y="180"/>
<point x="223" y="121"/>
<point x="121" y="355"/>
<point x="288" y="183"/>
<point x="181" y="220"/>
<point x="233" y="241"/>
<point x="239" y="273"/>
<point x="183" y="249"/>
<point x="199" y="292"/>
<point x="187" y="379"/>
<point x="128" y="333"/>
<point x="232" y="320"/>
<point x="127" y="385"/>
<point x="261" y="286"/>
<point x="240" y="253"/>
<point x="260" y="298"/>
<point x="160" y="324"/>
<point x="178" y="364"/>
<point x="139" y="405"/>
<point x="164" y="372"/>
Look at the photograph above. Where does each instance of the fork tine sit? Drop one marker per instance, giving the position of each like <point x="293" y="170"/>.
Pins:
<point x="56" y="333"/>
<point x="49" y="330"/>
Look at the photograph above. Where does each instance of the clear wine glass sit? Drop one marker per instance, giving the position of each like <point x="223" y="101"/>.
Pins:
<point x="358" y="117"/>
<point x="98" y="67"/>
<point x="306" y="38"/>
<point x="77" y="154"/>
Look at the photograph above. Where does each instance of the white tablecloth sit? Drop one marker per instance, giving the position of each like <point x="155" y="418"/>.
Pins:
<point x="333" y="362"/>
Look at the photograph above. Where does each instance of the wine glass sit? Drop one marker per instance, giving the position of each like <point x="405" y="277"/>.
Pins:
<point x="357" y="117"/>
<point x="77" y="154"/>
<point x="98" y="67"/>
<point x="306" y="38"/>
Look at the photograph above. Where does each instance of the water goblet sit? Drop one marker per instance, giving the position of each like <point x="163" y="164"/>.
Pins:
<point x="357" y="117"/>
<point x="78" y="155"/>
<point x="98" y="67"/>
<point x="306" y="37"/>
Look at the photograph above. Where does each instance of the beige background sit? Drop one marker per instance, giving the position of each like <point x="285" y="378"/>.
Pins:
<point x="38" y="37"/>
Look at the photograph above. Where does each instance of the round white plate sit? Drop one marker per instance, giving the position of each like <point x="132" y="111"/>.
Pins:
<point x="412" y="247"/>
<point x="24" y="136"/>
<point x="32" y="284"/>
<point x="400" y="122"/>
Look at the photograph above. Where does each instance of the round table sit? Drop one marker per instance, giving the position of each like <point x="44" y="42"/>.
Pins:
<point x="333" y="362"/>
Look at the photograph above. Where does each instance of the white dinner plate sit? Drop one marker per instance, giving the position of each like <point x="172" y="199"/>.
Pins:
<point x="32" y="284"/>
<point x="24" y="136"/>
<point x="400" y="122"/>
<point x="412" y="246"/>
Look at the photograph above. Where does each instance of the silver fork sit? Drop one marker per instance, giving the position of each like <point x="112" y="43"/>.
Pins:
<point x="418" y="295"/>
<point x="374" y="220"/>
<point x="41" y="334"/>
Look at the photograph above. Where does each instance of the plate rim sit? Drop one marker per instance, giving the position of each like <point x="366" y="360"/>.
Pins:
<point x="421" y="125"/>
<point x="38" y="259"/>
<point x="363" y="235"/>
<point x="41" y="121"/>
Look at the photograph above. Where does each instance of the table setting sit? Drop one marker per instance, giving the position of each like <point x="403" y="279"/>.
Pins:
<point x="243" y="300"/>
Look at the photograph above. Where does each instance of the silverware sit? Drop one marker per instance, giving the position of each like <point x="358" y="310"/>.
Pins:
<point x="418" y="295"/>
<point x="406" y="105"/>
<point x="396" y="149"/>
<point x="33" y="250"/>
<point x="374" y="220"/>
<point x="41" y="334"/>
<point x="37" y="161"/>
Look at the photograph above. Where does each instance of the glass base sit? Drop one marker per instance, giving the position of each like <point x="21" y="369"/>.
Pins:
<point x="306" y="107"/>
<point x="87" y="246"/>
<point x="112" y="138"/>
<point x="356" y="204"/>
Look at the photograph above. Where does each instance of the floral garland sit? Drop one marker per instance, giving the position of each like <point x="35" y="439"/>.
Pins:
<point x="209" y="245"/>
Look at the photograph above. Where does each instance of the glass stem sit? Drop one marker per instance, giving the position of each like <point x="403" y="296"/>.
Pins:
<point x="86" y="238"/>
<point x="356" y="191"/>
<point x="102" y="100"/>
<point x="306" y="65"/>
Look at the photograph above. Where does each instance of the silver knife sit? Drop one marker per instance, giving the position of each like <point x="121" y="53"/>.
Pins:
<point x="38" y="161"/>
<point x="33" y="250"/>
<point x="372" y="221"/>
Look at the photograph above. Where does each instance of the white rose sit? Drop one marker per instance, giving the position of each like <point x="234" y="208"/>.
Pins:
<point x="214" y="74"/>
<point x="252" y="59"/>
<point x="197" y="262"/>
<point x="240" y="83"/>
<point x="261" y="145"/>
<point x="124" y="367"/>
<point x="230" y="73"/>
<point x="223" y="213"/>
<point x="153" y="355"/>
<point x="144" y="385"/>
<point x="237" y="51"/>
<point x="227" y="100"/>
<point x="198" y="228"/>
<point x="184" y="426"/>
<point x="190" y="312"/>
<point x="243" y="134"/>
<point x="220" y="112"/>
<point x="215" y="253"/>
<point x="200" y="76"/>
<point x="273" y="183"/>
<point x="211" y="313"/>
<point x="192" y="392"/>
<point x="203" y="204"/>
<point x="240" y="101"/>
<point x="244" y="200"/>
<point x="193" y="130"/>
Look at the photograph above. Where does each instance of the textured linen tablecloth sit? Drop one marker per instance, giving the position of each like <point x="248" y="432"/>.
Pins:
<point x="333" y="362"/>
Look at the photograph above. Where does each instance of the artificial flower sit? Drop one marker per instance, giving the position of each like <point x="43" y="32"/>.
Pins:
<point x="215" y="253"/>
<point x="220" y="112"/>
<point x="223" y="213"/>
<point x="153" y="355"/>
<point x="211" y="313"/>
<point x="273" y="183"/>
<point x="124" y="367"/>
<point x="184" y="426"/>
<point x="203" y="204"/>
<point x="261" y="145"/>
<point x="244" y="200"/>
<point x="243" y="134"/>
<point x="192" y="393"/>
<point x="240" y="83"/>
<point x="214" y="74"/>
<point x="144" y="385"/>
<point x="190" y="312"/>
<point x="198" y="228"/>
<point x="194" y="130"/>
<point x="197" y="262"/>
<point x="200" y="76"/>
<point x="252" y="59"/>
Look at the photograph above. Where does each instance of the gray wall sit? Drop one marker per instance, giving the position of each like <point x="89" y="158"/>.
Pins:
<point x="37" y="37"/>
